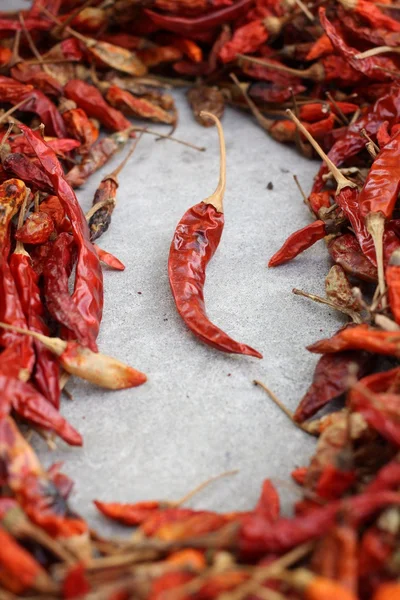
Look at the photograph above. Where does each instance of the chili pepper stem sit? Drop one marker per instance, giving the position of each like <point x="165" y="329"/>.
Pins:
<point x="264" y="122"/>
<point x="341" y="180"/>
<point x="283" y="408"/>
<point x="56" y="345"/>
<point x="377" y="50"/>
<point x="202" y="486"/>
<point x="169" y="137"/>
<point x="375" y="223"/>
<point x="216" y="199"/>
<point x="350" y="313"/>
<point x="314" y="72"/>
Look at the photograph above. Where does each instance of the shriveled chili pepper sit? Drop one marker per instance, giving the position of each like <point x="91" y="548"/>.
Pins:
<point x="249" y="37"/>
<point x="24" y="168"/>
<point x="132" y="106"/>
<point x="321" y="47"/>
<point x="317" y="111"/>
<point x="360" y="337"/>
<point x="299" y="241"/>
<point x="195" y="240"/>
<point x="330" y="380"/>
<point x="192" y="26"/>
<point x="88" y="289"/>
<point x="101" y="152"/>
<point x="89" y="98"/>
<point x="371" y="13"/>
<point x="346" y="252"/>
<point x="78" y="125"/>
<point x="82" y="362"/>
<point x="37" y="229"/>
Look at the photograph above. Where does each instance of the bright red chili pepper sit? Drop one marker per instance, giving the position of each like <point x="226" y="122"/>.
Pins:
<point x="299" y="241"/>
<point x="79" y="126"/>
<point x="371" y="13"/>
<point x="196" y="238"/>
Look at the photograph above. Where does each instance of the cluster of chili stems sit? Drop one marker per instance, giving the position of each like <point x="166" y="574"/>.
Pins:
<point x="70" y="67"/>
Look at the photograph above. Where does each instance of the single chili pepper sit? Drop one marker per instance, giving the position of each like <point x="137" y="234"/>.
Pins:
<point x="132" y="106"/>
<point x="37" y="229"/>
<point x="299" y="241"/>
<point x="89" y="98"/>
<point x="346" y="252"/>
<point x="193" y="26"/>
<point x="366" y="66"/>
<point x="195" y="241"/>
<point x="31" y="405"/>
<point x="109" y="259"/>
<point x="258" y="536"/>
<point x="360" y="337"/>
<point x="330" y="380"/>
<point x="317" y="111"/>
<point x="88" y="289"/>
<point x="249" y="37"/>
<point x="129" y="514"/>
<point x="273" y="92"/>
<point x="80" y="361"/>
<point x="206" y="98"/>
<point x="101" y="152"/>
<point x="371" y="13"/>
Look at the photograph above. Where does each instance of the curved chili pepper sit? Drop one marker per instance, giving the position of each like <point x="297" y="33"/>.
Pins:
<point x="37" y="229"/>
<point x="330" y="380"/>
<point x="360" y="337"/>
<point x="88" y="289"/>
<point x="191" y="26"/>
<point x="196" y="238"/>
<point x="34" y="407"/>
<point x="79" y="126"/>
<point x="299" y="241"/>
<point x="131" y="106"/>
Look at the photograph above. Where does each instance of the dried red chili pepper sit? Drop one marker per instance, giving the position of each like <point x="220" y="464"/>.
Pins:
<point x="346" y="252"/>
<point x="322" y="47"/>
<point x="46" y="373"/>
<point x="101" y="152"/>
<point x="193" y="26"/>
<point x="299" y="241"/>
<point x="88" y="98"/>
<point x="371" y="13"/>
<point x="78" y="125"/>
<point x="249" y="37"/>
<point x="88" y="289"/>
<point x="37" y="229"/>
<point x="132" y="106"/>
<point x="317" y="111"/>
<point x="109" y="259"/>
<point x="80" y="361"/>
<point x="27" y="170"/>
<point x="360" y="337"/>
<point x="195" y="241"/>
<point x="330" y="380"/>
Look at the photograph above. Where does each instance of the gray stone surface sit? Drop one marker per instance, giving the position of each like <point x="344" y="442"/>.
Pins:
<point x="199" y="413"/>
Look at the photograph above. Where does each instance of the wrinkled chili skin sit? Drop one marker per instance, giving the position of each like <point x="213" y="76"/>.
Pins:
<point x="47" y="372"/>
<point x="196" y="238"/>
<point x="24" y="168"/>
<point x="99" y="154"/>
<point x="299" y="241"/>
<point x="382" y="186"/>
<point x="330" y="380"/>
<point x="346" y="252"/>
<point x="387" y="108"/>
<point x="101" y="220"/>
<point x="192" y="26"/>
<point x="56" y="272"/>
<point x="37" y="229"/>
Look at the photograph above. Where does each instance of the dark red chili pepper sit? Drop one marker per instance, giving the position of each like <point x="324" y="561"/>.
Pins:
<point x="299" y="241"/>
<point x="371" y="13"/>
<point x="346" y="252"/>
<point x="88" y="289"/>
<point x="132" y="106"/>
<point x="26" y="169"/>
<point x="69" y="49"/>
<point x="92" y="102"/>
<point x="330" y="380"/>
<point x="35" y="76"/>
<point x="192" y="26"/>
<point x="79" y="126"/>
<point x="100" y="153"/>
<point x="47" y="372"/>
<point x="196" y="238"/>
<point x="34" y="407"/>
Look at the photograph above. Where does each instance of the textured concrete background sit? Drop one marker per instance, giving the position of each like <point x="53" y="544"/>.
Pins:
<point x="199" y="413"/>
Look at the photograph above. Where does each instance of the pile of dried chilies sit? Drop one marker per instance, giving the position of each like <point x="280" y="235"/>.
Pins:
<point x="322" y="75"/>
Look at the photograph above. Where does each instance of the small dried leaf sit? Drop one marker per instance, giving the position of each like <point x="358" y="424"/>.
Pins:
<point x="339" y="290"/>
<point x="206" y="98"/>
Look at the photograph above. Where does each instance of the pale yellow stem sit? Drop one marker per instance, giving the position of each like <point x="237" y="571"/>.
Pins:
<point x="216" y="199"/>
